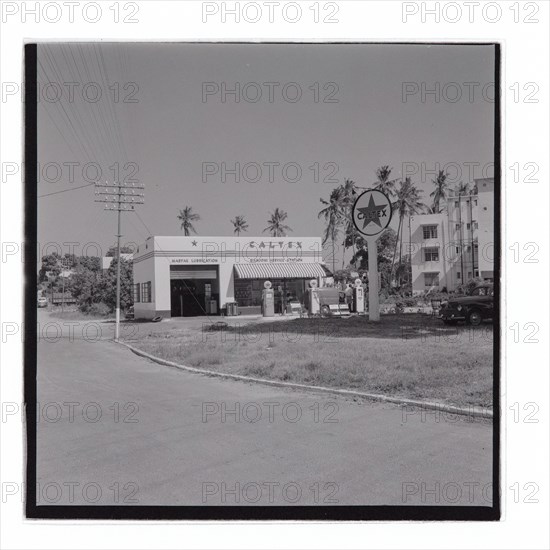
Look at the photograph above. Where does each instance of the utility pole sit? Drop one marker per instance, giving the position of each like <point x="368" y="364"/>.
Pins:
<point x="63" y="264"/>
<point x="117" y="310"/>
<point x="461" y="240"/>
<point x="472" y="235"/>
<point x="120" y="197"/>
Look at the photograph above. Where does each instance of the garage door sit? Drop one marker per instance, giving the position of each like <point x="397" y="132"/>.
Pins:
<point x="192" y="272"/>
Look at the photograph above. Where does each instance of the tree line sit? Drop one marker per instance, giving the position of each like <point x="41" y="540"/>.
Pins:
<point x="93" y="287"/>
<point x="276" y="225"/>
<point x="406" y="199"/>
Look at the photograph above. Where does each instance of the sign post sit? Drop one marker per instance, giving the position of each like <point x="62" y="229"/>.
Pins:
<point x="374" y="297"/>
<point x="372" y="213"/>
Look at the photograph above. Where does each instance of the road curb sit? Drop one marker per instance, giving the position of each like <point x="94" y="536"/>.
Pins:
<point x="474" y="412"/>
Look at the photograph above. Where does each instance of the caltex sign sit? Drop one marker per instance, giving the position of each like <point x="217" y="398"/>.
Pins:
<point x="372" y="213"/>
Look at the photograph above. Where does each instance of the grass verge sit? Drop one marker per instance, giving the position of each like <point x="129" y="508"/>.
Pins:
<point x="409" y="356"/>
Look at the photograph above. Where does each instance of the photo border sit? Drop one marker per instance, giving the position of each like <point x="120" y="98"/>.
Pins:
<point x="273" y="513"/>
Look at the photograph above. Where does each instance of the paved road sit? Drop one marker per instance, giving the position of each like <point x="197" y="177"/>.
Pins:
<point x="163" y="438"/>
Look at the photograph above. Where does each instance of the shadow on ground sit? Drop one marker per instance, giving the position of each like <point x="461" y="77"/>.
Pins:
<point x="404" y="327"/>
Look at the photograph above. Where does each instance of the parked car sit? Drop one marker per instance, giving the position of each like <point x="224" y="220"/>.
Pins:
<point x="332" y="302"/>
<point x="473" y="309"/>
<point x="42" y="302"/>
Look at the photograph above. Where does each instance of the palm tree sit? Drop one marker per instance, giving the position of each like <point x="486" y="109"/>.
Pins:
<point x="440" y="192"/>
<point x="187" y="217"/>
<point x="275" y="224"/>
<point x="348" y="191"/>
<point x="408" y="202"/>
<point x="430" y="210"/>
<point x="239" y="224"/>
<point x="461" y="190"/>
<point x="384" y="183"/>
<point x="333" y="218"/>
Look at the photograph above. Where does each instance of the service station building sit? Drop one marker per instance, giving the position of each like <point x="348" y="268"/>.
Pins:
<point x="188" y="276"/>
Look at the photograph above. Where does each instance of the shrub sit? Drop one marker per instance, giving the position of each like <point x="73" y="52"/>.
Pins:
<point x="468" y="286"/>
<point x="427" y="297"/>
<point x="99" y="309"/>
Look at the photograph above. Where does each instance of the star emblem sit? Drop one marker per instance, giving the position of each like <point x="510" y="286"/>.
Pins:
<point x="372" y="213"/>
<point x="194" y="243"/>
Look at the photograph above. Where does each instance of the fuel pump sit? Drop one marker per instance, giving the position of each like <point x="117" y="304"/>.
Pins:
<point x="314" y="305"/>
<point x="358" y="297"/>
<point x="268" y="300"/>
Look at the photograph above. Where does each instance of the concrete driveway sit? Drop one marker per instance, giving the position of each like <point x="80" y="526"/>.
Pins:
<point x="114" y="428"/>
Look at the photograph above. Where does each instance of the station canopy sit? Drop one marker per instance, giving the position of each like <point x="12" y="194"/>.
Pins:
<point x="280" y="271"/>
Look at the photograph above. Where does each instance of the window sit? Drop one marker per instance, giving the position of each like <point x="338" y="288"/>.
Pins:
<point x="135" y="292"/>
<point x="431" y="279"/>
<point x="146" y="292"/>
<point x="430" y="231"/>
<point x="468" y="226"/>
<point x="457" y="226"/>
<point x="457" y="249"/>
<point x="456" y="204"/>
<point x="458" y="275"/>
<point x="248" y="292"/>
<point x="476" y="272"/>
<point x="431" y="254"/>
<point x="475" y="225"/>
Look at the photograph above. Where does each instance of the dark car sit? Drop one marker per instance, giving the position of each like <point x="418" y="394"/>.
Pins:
<point x="473" y="309"/>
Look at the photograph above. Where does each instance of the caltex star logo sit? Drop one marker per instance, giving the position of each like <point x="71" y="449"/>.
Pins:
<point x="372" y="213"/>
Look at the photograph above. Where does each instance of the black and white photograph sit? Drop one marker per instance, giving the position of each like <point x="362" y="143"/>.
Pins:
<point x="274" y="275"/>
<point x="267" y="280"/>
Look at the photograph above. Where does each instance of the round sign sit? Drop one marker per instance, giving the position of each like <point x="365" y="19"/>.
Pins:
<point x="267" y="285"/>
<point x="358" y="282"/>
<point x="372" y="212"/>
<point x="313" y="283"/>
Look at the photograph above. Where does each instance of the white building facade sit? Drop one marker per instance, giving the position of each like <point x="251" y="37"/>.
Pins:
<point x="186" y="276"/>
<point x="456" y="245"/>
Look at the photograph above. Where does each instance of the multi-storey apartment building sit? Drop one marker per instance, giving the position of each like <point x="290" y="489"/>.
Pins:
<point x="455" y="245"/>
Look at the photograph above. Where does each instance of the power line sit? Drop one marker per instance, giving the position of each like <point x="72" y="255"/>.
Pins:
<point x="66" y="190"/>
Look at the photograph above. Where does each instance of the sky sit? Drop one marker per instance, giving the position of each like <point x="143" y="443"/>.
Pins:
<point x="155" y="122"/>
